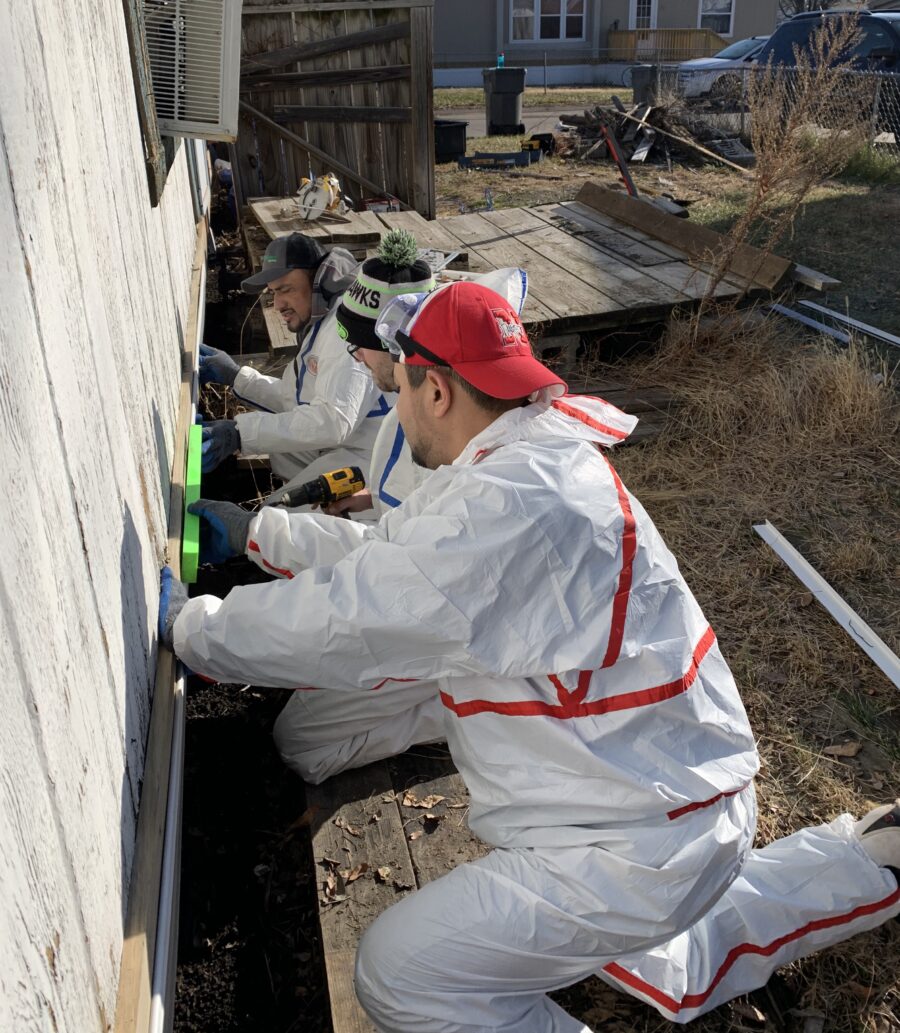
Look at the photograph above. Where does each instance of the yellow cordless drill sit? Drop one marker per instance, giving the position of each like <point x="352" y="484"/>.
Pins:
<point x="326" y="488"/>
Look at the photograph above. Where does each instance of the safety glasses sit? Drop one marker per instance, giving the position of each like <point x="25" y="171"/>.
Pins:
<point x="393" y="324"/>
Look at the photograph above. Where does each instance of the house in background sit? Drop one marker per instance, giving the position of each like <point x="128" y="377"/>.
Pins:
<point x="585" y="41"/>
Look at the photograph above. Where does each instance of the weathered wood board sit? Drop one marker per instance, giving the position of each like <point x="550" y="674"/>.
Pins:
<point x="372" y="64"/>
<point x="588" y="269"/>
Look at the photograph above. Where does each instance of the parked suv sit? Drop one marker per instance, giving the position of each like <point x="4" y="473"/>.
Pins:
<point x="718" y="76"/>
<point x="877" y="50"/>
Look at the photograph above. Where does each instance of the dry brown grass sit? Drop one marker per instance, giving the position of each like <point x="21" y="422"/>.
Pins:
<point x="804" y="436"/>
<point x="808" y="123"/>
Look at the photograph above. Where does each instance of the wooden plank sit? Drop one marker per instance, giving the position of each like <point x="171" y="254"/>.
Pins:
<point x="299" y="141"/>
<point x="136" y="969"/>
<point x="336" y="113"/>
<point x="590" y="219"/>
<point x="467" y="228"/>
<point x="437" y="845"/>
<point x="369" y="150"/>
<point x="325" y="77"/>
<point x="700" y="242"/>
<point x="549" y="284"/>
<point x="346" y="1014"/>
<point x="355" y="821"/>
<point x="321" y="48"/>
<point x="398" y="177"/>
<point x="810" y="278"/>
<point x="690" y="276"/>
<point x="421" y="61"/>
<point x="582" y="259"/>
<point x="429" y="233"/>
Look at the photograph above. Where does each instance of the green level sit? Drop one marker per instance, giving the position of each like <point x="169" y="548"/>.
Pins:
<point x="190" y="539"/>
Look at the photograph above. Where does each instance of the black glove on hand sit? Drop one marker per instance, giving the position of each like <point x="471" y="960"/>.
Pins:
<point x="172" y="597"/>
<point x="217" y="367"/>
<point x="224" y="531"/>
<point x="220" y="440"/>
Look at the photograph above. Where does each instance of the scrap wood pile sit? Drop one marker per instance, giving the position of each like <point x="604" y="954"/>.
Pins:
<point x="806" y="437"/>
<point x="644" y="131"/>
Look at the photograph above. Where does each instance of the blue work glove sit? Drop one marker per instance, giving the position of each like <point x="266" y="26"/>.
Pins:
<point x="224" y="530"/>
<point x="220" y="440"/>
<point x="172" y="597"/>
<point x="217" y="367"/>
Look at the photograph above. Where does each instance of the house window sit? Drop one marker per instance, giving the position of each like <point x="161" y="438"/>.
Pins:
<point x="547" y="20"/>
<point x="717" y="15"/>
<point x="644" y="14"/>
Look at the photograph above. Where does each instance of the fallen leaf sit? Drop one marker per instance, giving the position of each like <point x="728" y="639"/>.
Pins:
<point x="748" y="1011"/>
<point x="805" y="599"/>
<point x="342" y="824"/>
<point x="354" y="873"/>
<point x="426" y="803"/>
<point x="305" y="818"/>
<point x="389" y="798"/>
<point x="381" y="874"/>
<point x="330" y="862"/>
<point x="375" y="817"/>
<point x="415" y="835"/>
<point x="456" y="806"/>
<point x="862" y="992"/>
<point x="843" y="749"/>
<point x="430" y="821"/>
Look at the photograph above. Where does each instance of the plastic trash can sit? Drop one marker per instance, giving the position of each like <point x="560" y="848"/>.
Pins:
<point x="449" y="140"/>
<point x="503" y="89"/>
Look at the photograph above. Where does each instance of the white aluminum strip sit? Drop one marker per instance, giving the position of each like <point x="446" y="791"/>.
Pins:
<point x="848" y="619"/>
<point x="164" y="962"/>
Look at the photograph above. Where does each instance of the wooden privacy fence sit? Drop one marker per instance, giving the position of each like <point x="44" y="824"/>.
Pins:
<point x="343" y="87"/>
<point x="662" y="44"/>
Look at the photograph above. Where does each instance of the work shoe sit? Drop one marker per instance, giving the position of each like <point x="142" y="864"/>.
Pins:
<point x="879" y="833"/>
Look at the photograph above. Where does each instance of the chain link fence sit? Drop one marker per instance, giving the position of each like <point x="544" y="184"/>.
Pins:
<point x="715" y="103"/>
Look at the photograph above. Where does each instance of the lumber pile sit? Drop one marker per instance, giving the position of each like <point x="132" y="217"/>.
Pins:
<point x="643" y="131"/>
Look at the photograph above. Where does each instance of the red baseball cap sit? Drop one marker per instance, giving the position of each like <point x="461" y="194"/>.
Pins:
<point x="476" y="332"/>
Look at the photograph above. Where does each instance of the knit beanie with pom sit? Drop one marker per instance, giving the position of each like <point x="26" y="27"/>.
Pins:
<point x="395" y="270"/>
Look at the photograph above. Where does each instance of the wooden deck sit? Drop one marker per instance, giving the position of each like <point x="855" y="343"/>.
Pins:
<point x="602" y="262"/>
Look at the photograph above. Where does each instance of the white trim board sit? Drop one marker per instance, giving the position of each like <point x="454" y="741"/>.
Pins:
<point x="849" y="620"/>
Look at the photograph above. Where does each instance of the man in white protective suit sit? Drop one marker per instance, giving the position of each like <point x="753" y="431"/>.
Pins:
<point x="586" y="704"/>
<point x="321" y="733"/>
<point x="324" y="412"/>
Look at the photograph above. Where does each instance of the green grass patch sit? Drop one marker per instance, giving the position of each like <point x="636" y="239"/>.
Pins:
<point x="456" y="98"/>
<point x="874" y="165"/>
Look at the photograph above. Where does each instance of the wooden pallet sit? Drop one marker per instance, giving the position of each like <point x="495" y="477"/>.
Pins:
<point x="361" y="818"/>
<point x="602" y="262"/>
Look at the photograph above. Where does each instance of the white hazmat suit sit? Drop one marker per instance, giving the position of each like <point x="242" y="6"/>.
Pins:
<point x="588" y="709"/>
<point x="324" y="412"/>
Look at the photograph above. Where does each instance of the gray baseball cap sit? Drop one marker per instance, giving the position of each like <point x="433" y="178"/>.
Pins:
<point x="296" y="251"/>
